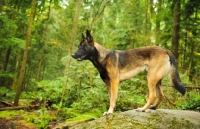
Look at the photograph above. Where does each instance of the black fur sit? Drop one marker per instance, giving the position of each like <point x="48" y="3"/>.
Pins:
<point x="176" y="78"/>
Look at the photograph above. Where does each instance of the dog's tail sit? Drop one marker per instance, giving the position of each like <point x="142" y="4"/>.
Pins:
<point x="174" y="76"/>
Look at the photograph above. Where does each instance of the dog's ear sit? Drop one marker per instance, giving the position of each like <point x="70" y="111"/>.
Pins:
<point x="83" y="36"/>
<point x="89" y="37"/>
<point x="88" y="33"/>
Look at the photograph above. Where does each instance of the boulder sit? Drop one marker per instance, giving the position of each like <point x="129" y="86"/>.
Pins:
<point x="151" y="119"/>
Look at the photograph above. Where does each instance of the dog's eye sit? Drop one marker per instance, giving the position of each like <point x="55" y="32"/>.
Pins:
<point x="81" y="46"/>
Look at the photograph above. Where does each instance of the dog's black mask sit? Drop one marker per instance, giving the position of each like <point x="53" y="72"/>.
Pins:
<point x="86" y="48"/>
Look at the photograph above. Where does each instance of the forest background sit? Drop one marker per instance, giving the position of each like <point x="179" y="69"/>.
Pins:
<point x="37" y="38"/>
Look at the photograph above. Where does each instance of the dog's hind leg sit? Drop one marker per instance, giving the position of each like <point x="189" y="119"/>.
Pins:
<point x="160" y="96"/>
<point x="157" y="70"/>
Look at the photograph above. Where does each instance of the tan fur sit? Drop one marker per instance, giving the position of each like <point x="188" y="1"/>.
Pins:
<point x="154" y="59"/>
<point x="115" y="66"/>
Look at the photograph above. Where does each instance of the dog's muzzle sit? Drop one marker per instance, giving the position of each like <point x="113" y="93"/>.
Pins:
<point x="78" y="58"/>
<point x="73" y="55"/>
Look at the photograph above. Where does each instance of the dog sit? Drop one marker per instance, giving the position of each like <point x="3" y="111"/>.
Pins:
<point x="115" y="66"/>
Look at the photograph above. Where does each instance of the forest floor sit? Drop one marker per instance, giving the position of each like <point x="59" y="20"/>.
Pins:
<point x="36" y="119"/>
<point x="17" y="123"/>
<point x="152" y="118"/>
<point x="14" y="124"/>
<point x="21" y="119"/>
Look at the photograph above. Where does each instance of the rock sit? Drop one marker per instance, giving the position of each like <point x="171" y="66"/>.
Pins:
<point x="160" y="119"/>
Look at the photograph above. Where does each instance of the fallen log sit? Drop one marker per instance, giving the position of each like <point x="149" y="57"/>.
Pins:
<point x="6" y="103"/>
<point x="20" y="107"/>
<point x="34" y="106"/>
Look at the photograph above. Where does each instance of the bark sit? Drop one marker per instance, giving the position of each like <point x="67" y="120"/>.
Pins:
<point x="151" y="12"/>
<point x="159" y="3"/>
<point x="17" y="69"/>
<point x="40" y="64"/>
<point x="6" y="59"/>
<point x="146" y="22"/>
<point x="176" y="26"/>
<point x="151" y="7"/>
<point x="28" y="38"/>
<point x="43" y="45"/>
<point x="6" y="103"/>
<point x="5" y="64"/>
<point x="2" y="2"/>
<point x="192" y="70"/>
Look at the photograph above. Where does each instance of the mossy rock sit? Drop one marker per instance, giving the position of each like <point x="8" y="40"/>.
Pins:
<point x="151" y="119"/>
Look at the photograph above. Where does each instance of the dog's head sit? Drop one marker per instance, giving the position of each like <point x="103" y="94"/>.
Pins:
<point x="86" y="48"/>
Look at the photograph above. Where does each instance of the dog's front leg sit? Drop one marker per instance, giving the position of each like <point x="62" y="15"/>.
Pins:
<point x="113" y="89"/>
<point x="108" y="87"/>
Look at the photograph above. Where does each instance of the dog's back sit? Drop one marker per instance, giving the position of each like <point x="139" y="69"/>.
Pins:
<point x="115" y="66"/>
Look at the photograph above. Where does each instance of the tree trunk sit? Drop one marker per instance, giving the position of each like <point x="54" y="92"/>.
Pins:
<point x="176" y="26"/>
<point x="43" y="44"/>
<point x="17" y="69"/>
<point x="4" y="68"/>
<point x="6" y="59"/>
<point x="28" y="38"/>
<point x="40" y="63"/>
<point x="193" y="41"/>
<point x="151" y="12"/>
<point x="2" y="3"/>
<point x="159" y="3"/>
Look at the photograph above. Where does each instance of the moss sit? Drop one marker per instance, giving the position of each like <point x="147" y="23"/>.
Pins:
<point x="176" y="124"/>
<point x="151" y="120"/>
<point x="9" y="114"/>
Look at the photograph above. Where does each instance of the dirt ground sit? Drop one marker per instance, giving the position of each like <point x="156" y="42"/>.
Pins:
<point x="15" y="124"/>
<point x="10" y="124"/>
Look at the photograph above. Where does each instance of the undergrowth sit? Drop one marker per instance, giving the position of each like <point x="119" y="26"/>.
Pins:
<point x="87" y="94"/>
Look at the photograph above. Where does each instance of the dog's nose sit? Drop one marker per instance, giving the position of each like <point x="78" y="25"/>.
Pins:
<point x="73" y="55"/>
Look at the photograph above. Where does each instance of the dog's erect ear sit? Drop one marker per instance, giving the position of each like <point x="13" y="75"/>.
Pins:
<point x="83" y="36"/>
<point x="89" y="37"/>
<point x="88" y="33"/>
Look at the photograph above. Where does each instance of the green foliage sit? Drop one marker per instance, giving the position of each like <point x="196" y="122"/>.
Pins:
<point x="91" y="98"/>
<point x="51" y="91"/>
<point x="67" y="113"/>
<point x="6" y="94"/>
<point x="192" y="102"/>
<point x="9" y="114"/>
<point x="41" y="119"/>
<point x="132" y="93"/>
<point x="114" y="26"/>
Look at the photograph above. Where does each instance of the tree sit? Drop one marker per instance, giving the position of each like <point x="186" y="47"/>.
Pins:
<point x="72" y="41"/>
<point x="190" y="53"/>
<point x="44" y="36"/>
<point x="113" y="25"/>
<point x="158" y="19"/>
<point x="28" y="38"/>
<point x="176" y="27"/>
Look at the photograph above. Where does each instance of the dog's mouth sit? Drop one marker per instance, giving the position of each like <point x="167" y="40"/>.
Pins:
<point x="81" y="58"/>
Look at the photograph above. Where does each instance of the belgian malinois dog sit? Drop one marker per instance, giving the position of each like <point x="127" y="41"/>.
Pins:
<point x="115" y="66"/>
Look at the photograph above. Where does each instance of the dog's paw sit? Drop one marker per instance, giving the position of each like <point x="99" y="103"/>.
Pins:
<point x="140" y="110"/>
<point x="152" y="107"/>
<point x="107" y="113"/>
